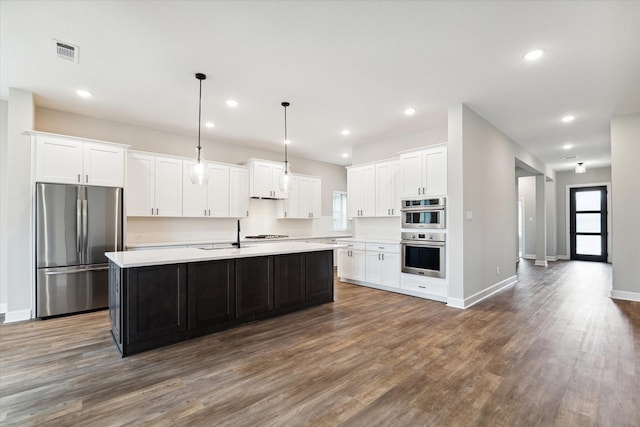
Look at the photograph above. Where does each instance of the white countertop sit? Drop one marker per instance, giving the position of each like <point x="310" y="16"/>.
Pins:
<point x="127" y="259"/>
<point x="368" y="240"/>
<point x="243" y="240"/>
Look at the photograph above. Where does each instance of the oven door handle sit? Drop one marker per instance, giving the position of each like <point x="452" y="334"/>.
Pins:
<point x="431" y="244"/>
<point x="423" y="209"/>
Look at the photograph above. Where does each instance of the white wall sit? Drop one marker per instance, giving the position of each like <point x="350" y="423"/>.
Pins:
<point x="527" y="191"/>
<point x="625" y="180"/>
<point x="4" y="113"/>
<point x="390" y="147"/>
<point x="20" y="118"/>
<point x="552" y="245"/>
<point x="564" y="179"/>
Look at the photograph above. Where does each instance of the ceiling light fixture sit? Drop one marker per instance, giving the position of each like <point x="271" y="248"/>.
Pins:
<point x="410" y="111"/>
<point x="580" y="168"/>
<point x="568" y="118"/>
<point x="567" y="146"/>
<point x="232" y="103"/>
<point x="345" y="155"/>
<point x="285" y="176"/>
<point x="210" y="124"/>
<point x="345" y="132"/>
<point x="199" y="171"/>
<point x="534" y="55"/>
<point x="84" y="93"/>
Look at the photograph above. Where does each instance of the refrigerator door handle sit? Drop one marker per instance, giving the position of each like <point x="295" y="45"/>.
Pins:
<point x="78" y="270"/>
<point x="79" y="228"/>
<point x="85" y="248"/>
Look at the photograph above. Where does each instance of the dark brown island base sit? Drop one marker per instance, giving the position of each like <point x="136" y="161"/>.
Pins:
<point x="155" y="301"/>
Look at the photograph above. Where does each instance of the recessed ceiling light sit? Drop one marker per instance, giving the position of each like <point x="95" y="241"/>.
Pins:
<point x="568" y="118"/>
<point x="567" y="146"/>
<point x="232" y="103"/>
<point x="410" y="111"/>
<point x="210" y="124"/>
<point x="345" y="132"/>
<point x="345" y="155"/>
<point x="84" y="93"/>
<point x="534" y="55"/>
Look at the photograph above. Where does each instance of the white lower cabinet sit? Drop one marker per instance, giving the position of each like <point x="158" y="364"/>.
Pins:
<point x="426" y="287"/>
<point x="351" y="262"/>
<point x="383" y="264"/>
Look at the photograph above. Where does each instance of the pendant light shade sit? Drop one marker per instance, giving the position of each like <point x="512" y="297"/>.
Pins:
<point x="199" y="171"/>
<point x="580" y="168"/>
<point x="285" y="176"/>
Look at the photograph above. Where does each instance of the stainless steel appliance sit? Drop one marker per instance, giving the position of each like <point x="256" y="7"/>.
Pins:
<point x="423" y="253"/>
<point x="424" y="213"/>
<point x="75" y="226"/>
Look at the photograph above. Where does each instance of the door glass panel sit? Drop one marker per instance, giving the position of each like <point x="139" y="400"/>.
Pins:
<point x="588" y="223"/>
<point x="588" y="201"/>
<point x="588" y="245"/>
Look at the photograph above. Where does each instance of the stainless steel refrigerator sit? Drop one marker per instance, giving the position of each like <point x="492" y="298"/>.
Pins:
<point x="75" y="226"/>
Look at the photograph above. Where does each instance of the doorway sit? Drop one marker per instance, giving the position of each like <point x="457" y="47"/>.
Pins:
<point x="588" y="223"/>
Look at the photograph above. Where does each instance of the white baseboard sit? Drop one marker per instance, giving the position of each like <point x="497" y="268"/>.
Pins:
<point x="17" y="316"/>
<point x="540" y="263"/>
<point x="484" y="294"/>
<point x="529" y="256"/>
<point x="563" y="257"/>
<point x="624" y="295"/>
<point x="552" y="258"/>
<point x="3" y="308"/>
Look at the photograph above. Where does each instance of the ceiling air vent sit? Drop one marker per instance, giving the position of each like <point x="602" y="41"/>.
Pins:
<point x="66" y="51"/>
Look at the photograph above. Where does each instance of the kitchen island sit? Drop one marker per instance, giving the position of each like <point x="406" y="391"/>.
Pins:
<point x="163" y="296"/>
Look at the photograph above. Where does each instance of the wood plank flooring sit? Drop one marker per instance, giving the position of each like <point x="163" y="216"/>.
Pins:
<point x="552" y="351"/>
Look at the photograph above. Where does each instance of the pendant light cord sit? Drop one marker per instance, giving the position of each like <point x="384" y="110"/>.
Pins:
<point x="199" y="120"/>
<point x="286" y="160"/>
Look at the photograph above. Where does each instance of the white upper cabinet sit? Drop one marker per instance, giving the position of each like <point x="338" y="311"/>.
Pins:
<point x="154" y="185"/>
<point x="304" y="199"/>
<point x="74" y="161"/>
<point x="264" y="179"/>
<point x="238" y="191"/>
<point x="210" y="200"/>
<point x="361" y="191"/>
<point x="387" y="198"/>
<point x="424" y="172"/>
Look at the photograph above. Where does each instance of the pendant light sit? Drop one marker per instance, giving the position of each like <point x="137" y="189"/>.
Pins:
<point x="285" y="176"/>
<point x="581" y="168"/>
<point x="199" y="171"/>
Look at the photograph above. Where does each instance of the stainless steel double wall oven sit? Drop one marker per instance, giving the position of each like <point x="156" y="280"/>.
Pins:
<point x="423" y="248"/>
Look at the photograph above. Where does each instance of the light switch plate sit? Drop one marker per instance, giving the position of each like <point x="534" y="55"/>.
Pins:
<point x="468" y="215"/>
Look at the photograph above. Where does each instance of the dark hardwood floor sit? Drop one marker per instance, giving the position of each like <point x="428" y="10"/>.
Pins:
<point x="552" y="350"/>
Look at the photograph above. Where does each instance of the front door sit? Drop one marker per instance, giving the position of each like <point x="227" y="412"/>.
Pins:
<point x="588" y="223"/>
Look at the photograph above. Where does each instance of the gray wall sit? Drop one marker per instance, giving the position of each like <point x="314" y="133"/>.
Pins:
<point x="479" y="246"/>
<point x="334" y="177"/>
<point x="563" y="180"/>
<point x="390" y="147"/>
<point x="625" y="176"/>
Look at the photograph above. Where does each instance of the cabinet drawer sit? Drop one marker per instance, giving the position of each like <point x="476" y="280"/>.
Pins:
<point x="354" y="245"/>
<point x="426" y="287"/>
<point x="382" y="247"/>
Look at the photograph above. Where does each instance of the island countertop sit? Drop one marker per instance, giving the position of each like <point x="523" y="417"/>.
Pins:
<point x="128" y="259"/>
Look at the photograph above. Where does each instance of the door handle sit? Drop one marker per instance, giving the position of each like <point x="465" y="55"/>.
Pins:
<point x="84" y="231"/>
<point x="78" y="225"/>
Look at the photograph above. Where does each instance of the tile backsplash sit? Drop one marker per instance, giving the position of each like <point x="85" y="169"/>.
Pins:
<point x="261" y="220"/>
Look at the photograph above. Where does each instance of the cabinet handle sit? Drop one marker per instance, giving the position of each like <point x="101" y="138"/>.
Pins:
<point x="78" y="178"/>
<point x="157" y="212"/>
<point x="378" y="257"/>
<point x="418" y="191"/>
<point x="247" y="213"/>
<point x="209" y="212"/>
<point x="383" y="257"/>
<point x="205" y="212"/>
<point x="422" y="287"/>
<point x="424" y="191"/>
<point x="151" y="211"/>
<point x="86" y="179"/>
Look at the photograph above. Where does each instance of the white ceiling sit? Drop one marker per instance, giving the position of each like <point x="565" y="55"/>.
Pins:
<point x="354" y="65"/>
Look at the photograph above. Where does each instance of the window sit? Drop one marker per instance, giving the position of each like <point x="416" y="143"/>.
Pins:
<point x="339" y="211"/>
